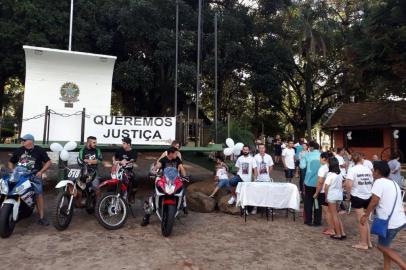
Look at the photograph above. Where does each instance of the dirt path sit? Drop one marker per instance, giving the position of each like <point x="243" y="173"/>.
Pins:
<point x="199" y="241"/>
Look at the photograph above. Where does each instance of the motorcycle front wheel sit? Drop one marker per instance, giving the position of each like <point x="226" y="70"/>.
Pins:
<point x="168" y="218"/>
<point x="62" y="214"/>
<point x="7" y="222"/>
<point x="111" y="211"/>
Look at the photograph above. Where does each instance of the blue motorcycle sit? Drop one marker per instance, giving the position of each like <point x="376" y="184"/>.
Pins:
<point x="17" y="199"/>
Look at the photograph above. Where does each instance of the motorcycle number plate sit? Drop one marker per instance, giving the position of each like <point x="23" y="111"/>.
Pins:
<point x="28" y="198"/>
<point x="74" y="173"/>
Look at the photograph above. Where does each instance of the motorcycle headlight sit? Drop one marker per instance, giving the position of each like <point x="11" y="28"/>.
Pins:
<point x="169" y="189"/>
<point x="3" y="187"/>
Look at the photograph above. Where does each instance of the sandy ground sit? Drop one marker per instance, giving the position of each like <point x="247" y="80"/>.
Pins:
<point x="199" y="241"/>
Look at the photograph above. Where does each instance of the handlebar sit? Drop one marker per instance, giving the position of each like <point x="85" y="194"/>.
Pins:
<point x="182" y="178"/>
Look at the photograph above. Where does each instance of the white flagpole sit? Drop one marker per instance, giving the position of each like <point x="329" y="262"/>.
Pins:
<point x="70" y="25"/>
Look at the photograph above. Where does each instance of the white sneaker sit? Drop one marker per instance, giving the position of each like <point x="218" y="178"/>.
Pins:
<point x="254" y="211"/>
<point x="231" y="200"/>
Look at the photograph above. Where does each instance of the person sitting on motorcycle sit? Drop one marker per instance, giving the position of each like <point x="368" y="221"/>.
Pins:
<point x="92" y="157"/>
<point x="36" y="159"/>
<point x="170" y="160"/>
<point x="127" y="156"/>
<point x="175" y="144"/>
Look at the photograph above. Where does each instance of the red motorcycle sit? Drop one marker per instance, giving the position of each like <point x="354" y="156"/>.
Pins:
<point x="168" y="199"/>
<point x="112" y="207"/>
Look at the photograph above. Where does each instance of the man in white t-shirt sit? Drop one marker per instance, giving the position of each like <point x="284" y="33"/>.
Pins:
<point x="339" y="156"/>
<point x="264" y="167"/>
<point x="246" y="166"/>
<point x="264" y="164"/>
<point x="387" y="199"/>
<point x="288" y="160"/>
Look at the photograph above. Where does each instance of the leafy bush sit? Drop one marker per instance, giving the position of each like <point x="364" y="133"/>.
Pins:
<point x="7" y="132"/>
<point x="238" y="133"/>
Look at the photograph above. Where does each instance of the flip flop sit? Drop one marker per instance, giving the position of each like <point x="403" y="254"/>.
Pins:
<point x="335" y="237"/>
<point x="360" y="247"/>
<point x="328" y="233"/>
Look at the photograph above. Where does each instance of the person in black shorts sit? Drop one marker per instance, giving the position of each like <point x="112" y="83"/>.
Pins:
<point x="359" y="181"/>
<point x="277" y="146"/>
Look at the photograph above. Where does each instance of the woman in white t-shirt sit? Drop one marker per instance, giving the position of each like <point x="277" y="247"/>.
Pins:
<point x="320" y="195"/>
<point x="358" y="183"/>
<point x="387" y="199"/>
<point x="221" y="176"/>
<point x="333" y="188"/>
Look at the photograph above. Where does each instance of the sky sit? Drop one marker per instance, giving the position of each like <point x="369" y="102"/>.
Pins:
<point x="250" y="3"/>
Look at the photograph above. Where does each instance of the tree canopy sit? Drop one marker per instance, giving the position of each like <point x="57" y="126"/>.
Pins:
<point x="282" y="64"/>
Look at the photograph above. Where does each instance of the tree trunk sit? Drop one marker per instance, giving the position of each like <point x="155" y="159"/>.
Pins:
<point x="256" y="114"/>
<point x="2" y="85"/>
<point x="309" y="93"/>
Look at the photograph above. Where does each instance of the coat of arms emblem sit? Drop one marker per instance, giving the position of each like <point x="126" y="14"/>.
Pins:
<point x="69" y="94"/>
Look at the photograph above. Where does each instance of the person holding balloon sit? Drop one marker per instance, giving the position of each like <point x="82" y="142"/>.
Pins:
<point x="35" y="159"/>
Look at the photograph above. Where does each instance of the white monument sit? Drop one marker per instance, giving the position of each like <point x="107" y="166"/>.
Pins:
<point x="67" y="82"/>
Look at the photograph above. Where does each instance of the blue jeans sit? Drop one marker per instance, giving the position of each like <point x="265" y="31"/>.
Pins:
<point x="224" y="183"/>
<point x="36" y="183"/>
<point x="235" y="180"/>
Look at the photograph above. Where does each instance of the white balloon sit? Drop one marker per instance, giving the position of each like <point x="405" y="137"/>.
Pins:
<point x="236" y="151"/>
<point x="64" y="155"/>
<point x="56" y="147"/>
<point x="239" y="146"/>
<point x="228" y="151"/>
<point x="70" y="146"/>
<point x="230" y="142"/>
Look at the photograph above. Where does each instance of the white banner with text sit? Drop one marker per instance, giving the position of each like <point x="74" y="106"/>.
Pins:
<point x="141" y="130"/>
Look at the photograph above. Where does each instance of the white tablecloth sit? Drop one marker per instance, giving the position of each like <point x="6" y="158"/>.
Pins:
<point x="267" y="194"/>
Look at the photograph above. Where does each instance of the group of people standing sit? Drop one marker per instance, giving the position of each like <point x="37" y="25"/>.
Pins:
<point x="331" y="178"/>
<point x="331" y="183"/>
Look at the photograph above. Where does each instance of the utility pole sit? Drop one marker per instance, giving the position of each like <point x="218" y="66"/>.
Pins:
<point x="70" y="25"/>
<point x="176" y="58"/>
<point x="199" y="36"/>
<point x="215" y="79"/>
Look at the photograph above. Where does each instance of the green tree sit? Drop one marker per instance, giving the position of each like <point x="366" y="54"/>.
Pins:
<point x="378" y="50"/>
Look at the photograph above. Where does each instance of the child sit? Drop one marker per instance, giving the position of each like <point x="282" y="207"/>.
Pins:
<point x="221" y="175"/>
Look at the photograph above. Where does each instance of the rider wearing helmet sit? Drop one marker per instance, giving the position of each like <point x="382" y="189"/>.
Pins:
<point x="127" y="156"/>
<point x="171" y="160"/>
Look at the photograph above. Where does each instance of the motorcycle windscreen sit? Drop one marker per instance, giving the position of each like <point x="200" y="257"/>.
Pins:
<point x="170" y="174"/>
<point x="18" y="173"/>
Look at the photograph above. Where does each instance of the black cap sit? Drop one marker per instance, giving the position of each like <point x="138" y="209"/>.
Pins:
<point x="126" y="140"/>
